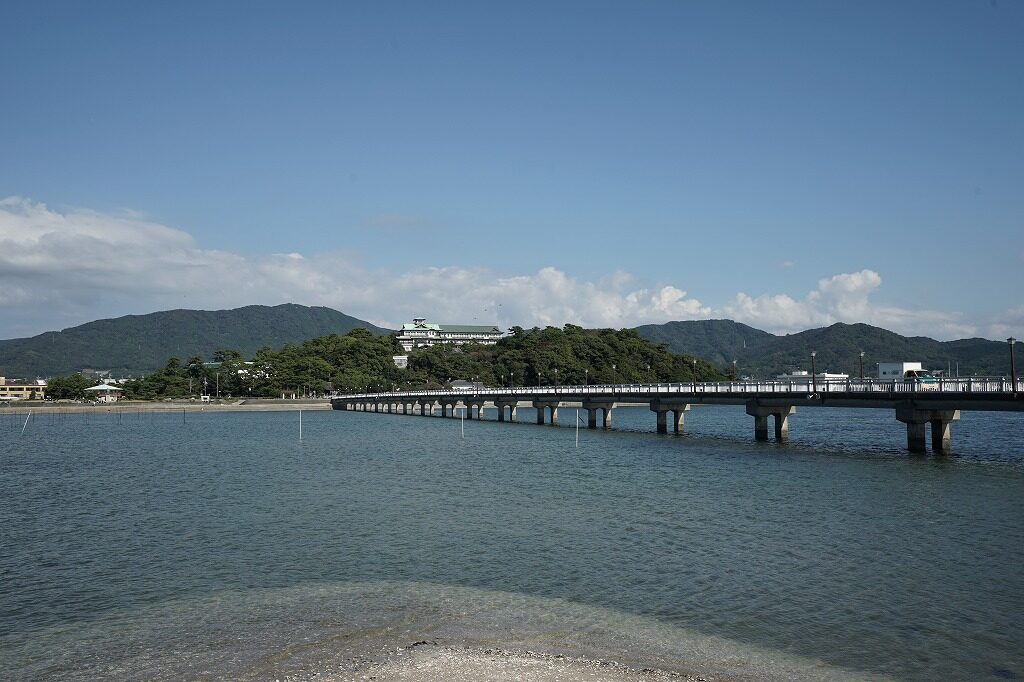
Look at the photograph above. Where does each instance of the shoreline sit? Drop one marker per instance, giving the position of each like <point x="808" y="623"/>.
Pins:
<point x="137" y="406"/>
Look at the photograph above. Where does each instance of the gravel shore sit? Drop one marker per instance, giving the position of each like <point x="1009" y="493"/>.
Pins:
<point x="426" y="662"/>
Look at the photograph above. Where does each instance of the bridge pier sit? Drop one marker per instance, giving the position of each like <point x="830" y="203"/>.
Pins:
<point x="917" y="421"/>
<point x="678" y="410"/>
<point x="501" y="405"/>
<point x="592" y="408"/>
<point x="542" y="406"/>
<point x="760" y="413"/>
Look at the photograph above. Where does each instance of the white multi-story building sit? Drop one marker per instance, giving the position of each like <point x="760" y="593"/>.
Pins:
<point x="420" y="333"/>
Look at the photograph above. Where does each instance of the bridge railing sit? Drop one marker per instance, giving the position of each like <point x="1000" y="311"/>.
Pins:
<point x="956" y="385"/>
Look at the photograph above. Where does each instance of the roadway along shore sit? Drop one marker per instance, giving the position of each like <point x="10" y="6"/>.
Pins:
<point x="134" y="406"/>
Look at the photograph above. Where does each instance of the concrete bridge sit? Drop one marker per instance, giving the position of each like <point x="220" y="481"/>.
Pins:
<point x="916" y="405"/>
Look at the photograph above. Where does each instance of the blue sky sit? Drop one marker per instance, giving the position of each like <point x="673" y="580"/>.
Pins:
<point x="784" y="164"/>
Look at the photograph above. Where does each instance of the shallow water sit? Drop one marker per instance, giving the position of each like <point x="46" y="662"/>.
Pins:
<point x="136" y="545"/>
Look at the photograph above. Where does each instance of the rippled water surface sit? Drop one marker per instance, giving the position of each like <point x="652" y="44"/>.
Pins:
<point x="148" y="546"/>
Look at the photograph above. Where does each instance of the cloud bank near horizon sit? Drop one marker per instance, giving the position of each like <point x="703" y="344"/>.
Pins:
<point x="59" y="268"/>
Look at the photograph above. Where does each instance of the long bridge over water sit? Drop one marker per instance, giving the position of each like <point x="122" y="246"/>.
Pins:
<point x="916" y="405"/>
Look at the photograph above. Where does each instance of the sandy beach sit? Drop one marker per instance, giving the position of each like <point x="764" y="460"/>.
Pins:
<point x="138" y="406"/>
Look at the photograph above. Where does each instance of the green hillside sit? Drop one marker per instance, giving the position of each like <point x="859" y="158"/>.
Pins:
<point x="760" y="354"/>
<point x="137" y="344"/>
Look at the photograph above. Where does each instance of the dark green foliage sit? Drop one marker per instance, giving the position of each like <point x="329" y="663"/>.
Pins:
<point x="838" y="347"/>
<point x="570" y="356"/>
<point x="70" y="387"/>
<point x="141" y="343"/>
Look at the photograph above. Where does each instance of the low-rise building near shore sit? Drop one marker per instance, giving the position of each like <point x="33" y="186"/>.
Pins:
<point x="104" y="393"/>
<point x="22" y="390"/>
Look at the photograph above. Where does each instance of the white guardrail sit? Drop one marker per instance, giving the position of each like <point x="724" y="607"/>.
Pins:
<point x="945" y="385"/>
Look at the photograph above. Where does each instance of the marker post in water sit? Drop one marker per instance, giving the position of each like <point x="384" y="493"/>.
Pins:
<point x="577" y="427"/>
<point x="300" y="426"/>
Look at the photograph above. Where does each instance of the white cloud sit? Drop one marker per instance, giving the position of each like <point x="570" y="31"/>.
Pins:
<point x="843" y="298"/>
<point x="65" y="267"/>
<point x="82" y="264"/>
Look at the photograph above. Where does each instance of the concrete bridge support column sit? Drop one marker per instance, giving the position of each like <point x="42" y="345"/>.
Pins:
<point x="680" y="415"/>
<point x="543" y="406"/>
<point x="916" y="421"/>
<point x="782" y="426"/>
<point x="511" y="410"/>
<point x="662" y="408"/>
<point x="592" y="407"/>
<point x="760" y="413"/>
<point x="941" y="435"/>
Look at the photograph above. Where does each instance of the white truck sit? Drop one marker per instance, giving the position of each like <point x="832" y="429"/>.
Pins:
<point x="911" y="373"/>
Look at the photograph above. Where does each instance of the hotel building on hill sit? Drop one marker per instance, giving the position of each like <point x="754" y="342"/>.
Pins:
<point x="420" y="333"/>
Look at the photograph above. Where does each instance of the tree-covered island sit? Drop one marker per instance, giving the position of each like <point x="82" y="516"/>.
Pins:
<point x="360" y="361"/>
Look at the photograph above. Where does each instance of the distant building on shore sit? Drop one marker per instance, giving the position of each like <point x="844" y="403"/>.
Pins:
<point x="419" y="334"/>
<point x="104" y="393"/>
<point x="28" y="390"/>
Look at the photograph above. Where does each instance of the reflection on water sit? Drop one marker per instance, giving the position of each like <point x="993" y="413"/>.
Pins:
<point x="142" y="546"/>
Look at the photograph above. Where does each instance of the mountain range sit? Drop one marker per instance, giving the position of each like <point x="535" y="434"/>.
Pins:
<point x="138" y="344"/>
<point x="760" y="354"/>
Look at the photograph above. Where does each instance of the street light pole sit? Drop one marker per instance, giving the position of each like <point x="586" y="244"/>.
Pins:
<point x="695" y="375"/>
<point x="1013" y="366"/>
<point x="814" y="374"/>
<point x="862" y="365"/>
<point x="734" y="370"/>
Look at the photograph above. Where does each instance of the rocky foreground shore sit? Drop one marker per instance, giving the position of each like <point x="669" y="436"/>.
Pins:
<point x="427" y="662"/>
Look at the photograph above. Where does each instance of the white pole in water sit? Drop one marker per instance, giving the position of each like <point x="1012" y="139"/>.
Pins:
<point x="26" y="422"/>
<point x="577" y="427"/>
<point x="300" y="426"/>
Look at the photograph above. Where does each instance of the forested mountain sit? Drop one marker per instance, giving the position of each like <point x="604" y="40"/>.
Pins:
<point x="760" y="354"/>
<point x="137" y="344"/>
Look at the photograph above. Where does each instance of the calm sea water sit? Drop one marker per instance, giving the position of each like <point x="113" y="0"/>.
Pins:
<point x="141" y="547"/>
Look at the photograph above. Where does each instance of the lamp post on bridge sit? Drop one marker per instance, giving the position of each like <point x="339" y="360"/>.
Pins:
<point x="1013" y="366"/>
<point x="862" y="365"/>
<point x="814" y="373"/>
<point x="734" y="371"/>
<point x="694" y="375"/>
